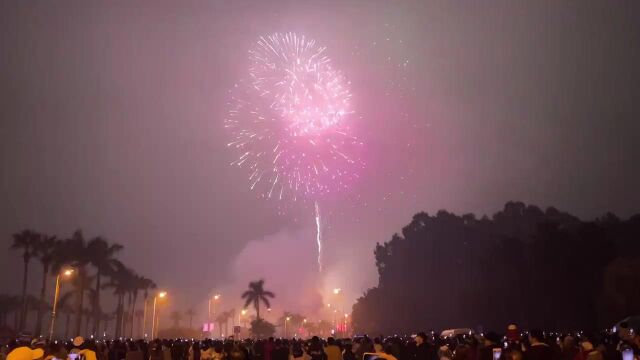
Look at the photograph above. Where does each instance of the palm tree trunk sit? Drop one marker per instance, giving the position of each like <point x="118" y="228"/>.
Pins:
<point x="79" y="306"/>
<point x="96" y="324"/>
<point x="66" y="328"/>
<point x="118" y="315"/>
<point x="106" y="325"/>
<point x="25" y="275"/>
<point x="144" y="315"/>
<point x="125" y="319"/>
<point x="86" y="324"/>
<point x="16" y="319"/>
<point x="258" y="309"/>
<point x="133" y="311"/>
<point x="41" y="308"/>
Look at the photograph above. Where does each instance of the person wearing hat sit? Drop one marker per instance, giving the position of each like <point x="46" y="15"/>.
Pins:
<point x="84" y="349"/>
<point x="77" y="345"/>
<point x="25" y="353"/>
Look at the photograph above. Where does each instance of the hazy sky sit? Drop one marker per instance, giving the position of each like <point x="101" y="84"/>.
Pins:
<point x="112" y="121"/>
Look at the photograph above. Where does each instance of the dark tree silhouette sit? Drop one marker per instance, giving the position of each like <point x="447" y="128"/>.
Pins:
<point x="257" y="294"/>
<point x="45" y="251"/>
<point x="26" y="241"/>
<point x="262" y="328"/>
<point x="536" y="268"/>
<point x="102" y="256"/>
<point x="190" y="313"/>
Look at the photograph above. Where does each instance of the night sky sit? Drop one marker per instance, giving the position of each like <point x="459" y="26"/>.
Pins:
<point x="112" y="121"/>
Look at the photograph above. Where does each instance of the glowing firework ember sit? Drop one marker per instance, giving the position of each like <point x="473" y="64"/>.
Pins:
<point x="290" y="121"/>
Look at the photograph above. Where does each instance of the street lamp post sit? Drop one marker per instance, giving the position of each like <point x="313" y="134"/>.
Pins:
<point x="56" y="295"/>
<point x="346" y="318"/>
<point x="286" y="320"/>
<point x="243" y="317"/>
<point x="210" y="313"/>
<point x="304" y="325"/>
<point x="154" y="321"/>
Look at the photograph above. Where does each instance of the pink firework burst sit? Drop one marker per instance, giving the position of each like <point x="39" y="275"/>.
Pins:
<point x="290" y="121"/>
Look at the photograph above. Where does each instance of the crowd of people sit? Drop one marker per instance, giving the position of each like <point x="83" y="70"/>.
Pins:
<point x="532" y="345"/>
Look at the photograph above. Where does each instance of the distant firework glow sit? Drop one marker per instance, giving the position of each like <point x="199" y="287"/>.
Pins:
<point x="290" y="122"/>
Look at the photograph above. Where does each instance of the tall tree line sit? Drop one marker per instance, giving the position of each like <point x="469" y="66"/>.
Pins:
<point x="524" y="265"/>
<point x="95" y="268"/>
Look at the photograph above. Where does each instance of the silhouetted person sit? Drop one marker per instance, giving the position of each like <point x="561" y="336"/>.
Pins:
<point x="538" y="350"/>
<point x="491" y="341"/>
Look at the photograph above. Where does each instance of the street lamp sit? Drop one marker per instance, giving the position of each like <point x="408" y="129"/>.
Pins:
<point x="154" y="322"/>
<point x="66" y="273"/>
<point x="216" y="297"/>
<point x="286" y="320"/>
<point x="243" y="317"/>
<point x="346" y="318"/>
<point x="304" y="325"/>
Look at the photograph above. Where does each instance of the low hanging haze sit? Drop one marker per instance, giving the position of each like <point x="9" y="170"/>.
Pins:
<point x="113" y="121"/>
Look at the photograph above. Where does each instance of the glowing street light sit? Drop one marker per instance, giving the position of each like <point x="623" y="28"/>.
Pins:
<point x="156" y="318"/>
<point x="337" y="291"/>
<point x="67" y="272"/>
<point x="210" y="313"/>
<point x="286" y="320"/>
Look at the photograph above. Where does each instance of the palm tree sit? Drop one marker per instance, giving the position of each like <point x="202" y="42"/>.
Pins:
<point x="65" y="308"/>
<point x="34" y="305"/>
<point x="45" y="250"/>
<point x="139" y="314"/>
<point x="74" y="252"/>
<point x="8" y="304"/>
<point x="88" y="313"/>
<point x="257" y="294"/>
<point x="176" y="316"/>
<point x="101" y="256"/>
<point x="138" y="283"/>
<point x="106" y="318"/>
<point x="221" y="319"/>
<point x="25" y="241"/>
<point x="191" y="313"/>
<point x="324" y="327"/>
<point x="146" y="285"/>
<point x="295" y="320"/>
<point x="120" y="281"/>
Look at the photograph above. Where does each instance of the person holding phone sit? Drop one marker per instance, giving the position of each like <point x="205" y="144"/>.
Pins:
<point x="491" y="347"/>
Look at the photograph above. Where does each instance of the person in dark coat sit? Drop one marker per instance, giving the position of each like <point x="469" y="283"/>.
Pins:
<point x="538" y="350"/>
<point x="423" y="350"/>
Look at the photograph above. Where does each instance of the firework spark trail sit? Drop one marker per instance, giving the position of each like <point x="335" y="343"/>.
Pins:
<point x="290" y="121"/>
<point x="319" y="235"/>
